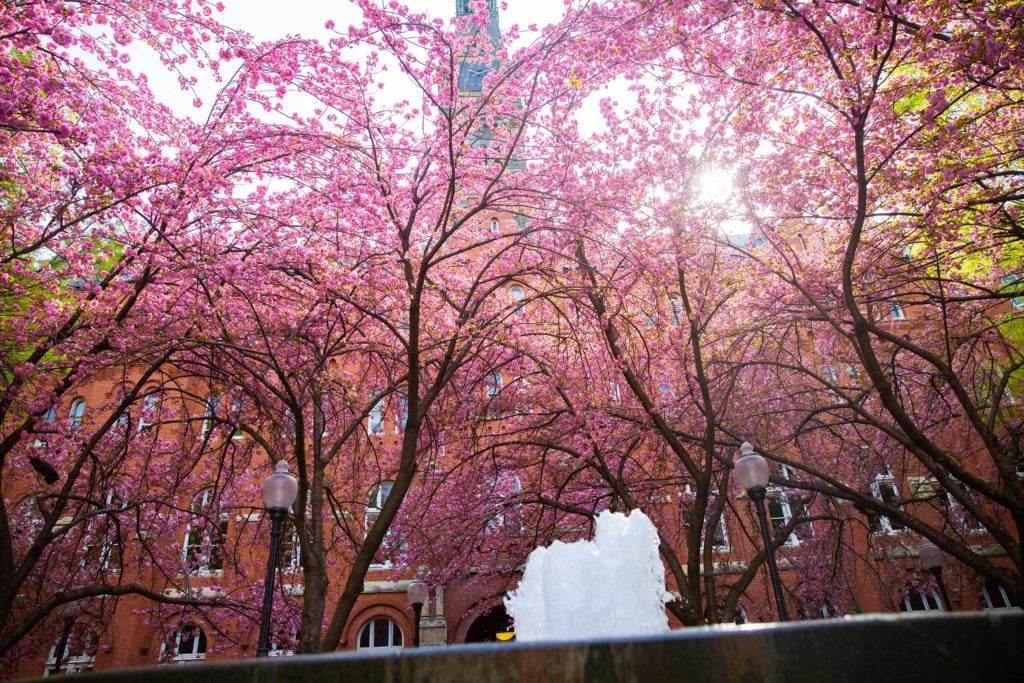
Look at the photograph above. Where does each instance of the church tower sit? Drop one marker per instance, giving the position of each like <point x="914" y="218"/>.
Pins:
<point x="471" y="75"/>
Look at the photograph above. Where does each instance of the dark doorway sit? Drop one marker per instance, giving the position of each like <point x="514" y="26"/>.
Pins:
<point x="488" y="624"/>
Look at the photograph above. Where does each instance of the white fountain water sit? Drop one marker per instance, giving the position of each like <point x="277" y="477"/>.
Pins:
<point x="611" y="586"/>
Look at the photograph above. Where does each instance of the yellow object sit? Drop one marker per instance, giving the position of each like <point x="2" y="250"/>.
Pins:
<point x="506" y="635"/>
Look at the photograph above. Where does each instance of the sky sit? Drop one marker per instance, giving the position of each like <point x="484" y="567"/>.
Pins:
<point x="268" y="20"/>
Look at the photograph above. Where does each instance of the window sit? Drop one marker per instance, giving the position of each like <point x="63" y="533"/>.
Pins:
<point x="150" y="412"/>
<point x="77" y="411"/>
<point x="517" y="294"/>
<point x="884" y="489"/>
<point x="917" y="601"/>
<point x="954" y="511"/>
<point x="1007" y="280"/>
<point x="720" y="539"/>
<point x="782" y="508"/>
<point x="1017" y="302"/>
<point x="896" y="311"/>
<point x="995" y="596"/>
<point x="494" y="384"/>
<point x="676" y="309"/>
<point x="50" y="415"/>
<point x="79" y="651"/>
<point x="505" y="487"/>
<point x="282" y="644"/>
<point x="379" y="632"/>
<point x="236" y="418"/>
<point x="187" y="644"/>
<point x="290" y="550"/>
<point x="494" y="225"/>
<point x="205" y="534"/>
<point x="831" y="378"/>
<point x="210" y="407"/>
<point x="103" y="552"/>
<point x="375" y="420"/>
<point x="403" y="412"/>
<point x="379" y="494"/>
<point x="613" y="392"/>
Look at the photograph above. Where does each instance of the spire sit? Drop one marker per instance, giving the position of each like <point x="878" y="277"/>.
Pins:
<point x="471" y="76"/>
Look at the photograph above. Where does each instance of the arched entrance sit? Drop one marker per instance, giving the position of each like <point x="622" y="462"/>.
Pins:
<point x="484" y="627"/>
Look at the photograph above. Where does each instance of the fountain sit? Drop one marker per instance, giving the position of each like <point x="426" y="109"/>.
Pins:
<point x="611" y="586"/>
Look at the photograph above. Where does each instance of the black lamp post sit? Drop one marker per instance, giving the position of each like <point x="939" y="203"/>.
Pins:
<point x="279" y="491"/>
<point x="931" y="559"/>
<point x="418" y="593"/>
<point x="752" y="473"/>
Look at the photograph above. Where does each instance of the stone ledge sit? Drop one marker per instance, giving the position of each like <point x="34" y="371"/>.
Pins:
<point x="925" y="648"/>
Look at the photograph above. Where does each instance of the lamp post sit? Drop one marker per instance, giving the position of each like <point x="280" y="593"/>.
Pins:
<point x="752" y="473"/>
<point x="418" y="593"/>
<point x="931" y="559"/>
<point x="279" y="491"/>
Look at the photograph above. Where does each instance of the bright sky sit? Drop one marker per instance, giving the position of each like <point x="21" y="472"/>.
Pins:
<point x="268" y="20"/>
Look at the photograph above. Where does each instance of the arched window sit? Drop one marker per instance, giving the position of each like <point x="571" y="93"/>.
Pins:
<point x="917" y="601"/>
<point x="184" y="645"/>
<point x="203" y="550"/>
<point x="50" y="415"/>
<point x="517" y="294"/>
<point x="380" y="632"/>
<point x="494" y="225"/>
<point x="77" y="411"/>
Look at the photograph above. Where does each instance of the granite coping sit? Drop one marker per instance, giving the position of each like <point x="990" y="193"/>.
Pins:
<point x="932" y="648"/>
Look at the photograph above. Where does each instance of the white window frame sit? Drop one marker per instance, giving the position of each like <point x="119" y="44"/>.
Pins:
<point x="196" y="655"/>
<point x="986" y="596"/>
<point x="393" y="628"/>
<point x="498" y="520"/>
<point x="675" y="306"/>
<point x="930" y="600"/>
<point x="150" y="407"/>
<point x="495" y="382"/>
<point x="72" y="663"/>
<point x="495" y="225"/>
<point x="723" y="531"/>
<point x="402" y="418"/>
<point x="886" y="479"/>
<point x="77" y="412"/>
<point x="375" y="420"/>
<point x="291" y="533"/>
<point x="210" y="406"/>
<point x="517" y="294"/>
<point x="107" y="549"/>
<point x="200" y="512"/>
<point x="378" y="494"/>
<point x="778" y="495"/>
<point x="896" y="311"/>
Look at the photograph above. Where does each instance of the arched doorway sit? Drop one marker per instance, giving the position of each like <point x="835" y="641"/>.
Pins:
<point x="484" y="627"/>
